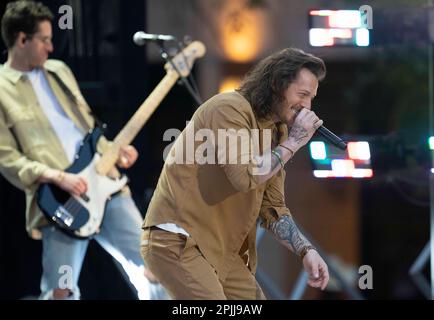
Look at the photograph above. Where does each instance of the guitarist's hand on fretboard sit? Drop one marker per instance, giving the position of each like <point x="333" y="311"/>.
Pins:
<point x="127" y="157"/>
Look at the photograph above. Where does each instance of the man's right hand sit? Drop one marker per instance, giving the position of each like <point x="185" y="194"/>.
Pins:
<point x="303" y="128"/>
<point x="72" y="183"/>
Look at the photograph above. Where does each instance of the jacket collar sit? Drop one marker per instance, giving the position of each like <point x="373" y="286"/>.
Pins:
<point x="14" y="75"/>
<point x="11" y="74"/>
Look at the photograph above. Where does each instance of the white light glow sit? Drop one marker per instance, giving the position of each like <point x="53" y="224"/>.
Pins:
<point x="355" y="173"/>
<point x="341" y="33"/>
<point x="345" y="19"/>
<point x="321" y="12"/>
<point x="319" y="37"/>
<point x="363" y="173"/>
<point x="318" y="150"/>
<point x="362" y="37"/>
<point x="431" y="143"/>
<point x="359" y="150"/>
<point x="322" y="173"/>
<point x="343" y="168"/>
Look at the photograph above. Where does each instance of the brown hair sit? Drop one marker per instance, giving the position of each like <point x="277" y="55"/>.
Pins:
<point x="22" y="16"/>
<point x="264" y="86"/>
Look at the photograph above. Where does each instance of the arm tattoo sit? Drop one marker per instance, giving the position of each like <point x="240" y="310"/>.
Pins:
<point x="298" y="133"/>
<point x="286" y="230"/>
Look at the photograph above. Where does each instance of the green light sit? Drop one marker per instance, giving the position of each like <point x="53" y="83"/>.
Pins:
<point x="431" y="143"/>
<point x="318" y="150"/>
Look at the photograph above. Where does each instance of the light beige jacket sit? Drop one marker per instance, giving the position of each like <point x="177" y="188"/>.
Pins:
<point x="28" y="142"/>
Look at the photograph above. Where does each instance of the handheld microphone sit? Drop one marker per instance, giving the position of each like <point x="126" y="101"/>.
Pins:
<point x="140" y="38"/>
<point x="332" y="138"/>
<point x="329" y="136"/>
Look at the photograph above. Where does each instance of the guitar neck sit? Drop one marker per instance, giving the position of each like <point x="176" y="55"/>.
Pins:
<point x="132" y="128"/>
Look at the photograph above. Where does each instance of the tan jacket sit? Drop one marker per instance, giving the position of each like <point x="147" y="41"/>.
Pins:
<point x="218" y="205"/>
<point x="28" y="143"/>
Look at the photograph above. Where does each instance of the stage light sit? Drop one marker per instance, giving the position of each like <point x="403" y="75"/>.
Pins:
<point x="331" y="162"/>
<point x="431" y="143"/>
<point x="362" y="173"/>
<point x="345" y="19"/>
<point x="243" y="32"/>
<point x="431" y="146"/>
<point x="319" y="37"/>
<point x="329" y="28"/>
<point x="322" y="173"/>
<point x="342" y="168"/>
<point x="362" y="37"/>
<point x="355" y="173"/>
<point x="229" y="84"/>
<point x="318" y="150"/>
<point x="359" y="150"/>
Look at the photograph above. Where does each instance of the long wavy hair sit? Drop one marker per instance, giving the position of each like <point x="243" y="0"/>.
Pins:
<point x="264" y="86"/>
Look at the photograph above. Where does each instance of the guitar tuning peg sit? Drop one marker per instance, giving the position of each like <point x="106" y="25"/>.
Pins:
<point x="187" y="40"/>
<point x="172" y="52"/>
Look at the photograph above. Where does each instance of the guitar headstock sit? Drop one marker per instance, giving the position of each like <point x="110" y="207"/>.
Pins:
<point x="184" y="60"/>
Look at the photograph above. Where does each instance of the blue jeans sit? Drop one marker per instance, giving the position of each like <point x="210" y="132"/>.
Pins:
<point x="62" y="256"/>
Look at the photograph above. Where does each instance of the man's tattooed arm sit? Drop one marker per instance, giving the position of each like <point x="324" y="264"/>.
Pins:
<point x="275" y="165"/>
<point x="298" y="133"/>
<point x="287" y="232"/>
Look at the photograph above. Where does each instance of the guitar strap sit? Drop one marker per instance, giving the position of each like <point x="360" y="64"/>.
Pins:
<point x="98" y="122"/>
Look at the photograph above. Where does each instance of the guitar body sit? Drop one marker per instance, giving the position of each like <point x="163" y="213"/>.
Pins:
<point x="80" y="217"/>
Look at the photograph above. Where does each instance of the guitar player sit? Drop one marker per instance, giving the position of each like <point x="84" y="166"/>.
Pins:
<point x="43" y="119"/>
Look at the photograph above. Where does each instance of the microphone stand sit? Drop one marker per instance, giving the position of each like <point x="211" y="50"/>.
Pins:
<point x="184" y="82"/>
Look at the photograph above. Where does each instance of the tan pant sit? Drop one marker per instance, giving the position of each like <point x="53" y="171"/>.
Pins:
<point x="182" y="269"/>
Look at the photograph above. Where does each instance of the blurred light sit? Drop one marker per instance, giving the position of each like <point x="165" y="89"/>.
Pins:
<point x="359" y="150"/>
<point x="362" y="173"/>
<point x="329" y="28"/>
<point x="432" y="170"/>
<point x="345" y="19"/>
<point x="342" y="168"/>
<point x="319" y="37"/>
<point x="331" y="162"/>
<point x="322" y="173"/>
<point x="229" y="84"/>
<point x="242" y="32"/>
<point x="341" y="33"/>
<point x="355" y="173"/>
<point x="321" y="12"/>
<point x="318" y="150"/>
<point x="362" y="37"/>
<point x="431" y="143"/>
